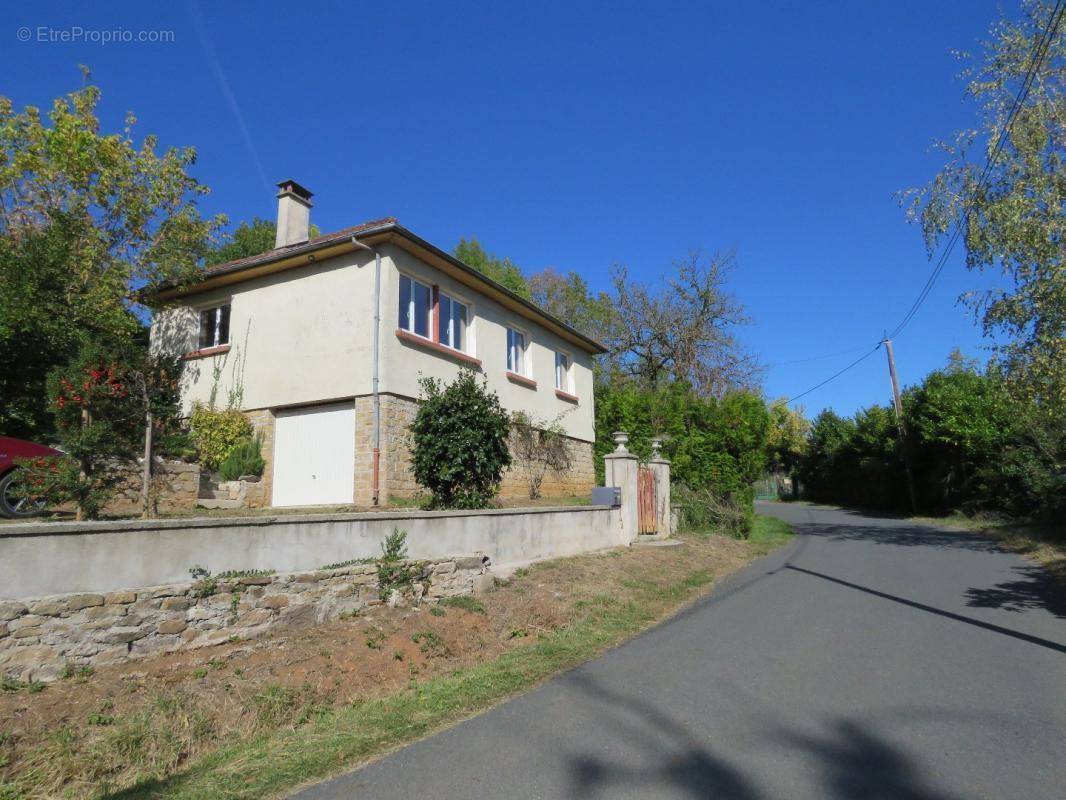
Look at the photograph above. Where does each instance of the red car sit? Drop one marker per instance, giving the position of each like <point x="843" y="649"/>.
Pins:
<point x="11" y="505"/>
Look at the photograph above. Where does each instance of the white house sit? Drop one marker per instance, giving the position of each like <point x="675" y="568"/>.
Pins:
<point x="321" y="343"/>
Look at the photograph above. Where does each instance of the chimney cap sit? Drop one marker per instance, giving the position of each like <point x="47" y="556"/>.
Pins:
<point x="292" y="187"/>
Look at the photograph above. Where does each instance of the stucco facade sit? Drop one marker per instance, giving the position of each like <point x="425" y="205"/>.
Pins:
<point x="303" y="336"/>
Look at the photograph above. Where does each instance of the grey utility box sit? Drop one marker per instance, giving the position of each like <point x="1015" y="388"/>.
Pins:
<point x="607" y="496"/>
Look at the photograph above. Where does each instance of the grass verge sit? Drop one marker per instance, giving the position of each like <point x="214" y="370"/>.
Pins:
<point x="296" y="738"/>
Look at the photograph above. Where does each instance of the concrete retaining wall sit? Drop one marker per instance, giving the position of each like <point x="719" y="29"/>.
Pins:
<point x="38" y="559"/>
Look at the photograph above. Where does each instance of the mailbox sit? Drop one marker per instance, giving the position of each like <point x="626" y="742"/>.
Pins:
<point x="607" y="496"/>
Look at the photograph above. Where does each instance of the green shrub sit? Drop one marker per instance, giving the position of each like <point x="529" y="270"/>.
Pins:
<point x="217" y="432"/>
<point x="246" y="458"/>
<point x="717" y="446"/>
<point x="704" y="510"/>
<point x="460" y="441"/>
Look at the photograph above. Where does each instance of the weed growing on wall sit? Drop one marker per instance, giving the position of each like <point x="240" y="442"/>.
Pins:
<point x="394" y="571"/>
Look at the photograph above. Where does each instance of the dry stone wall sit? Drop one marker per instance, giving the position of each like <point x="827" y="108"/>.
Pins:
<point x="39" y="637"/>
<point x="175" y="486"/>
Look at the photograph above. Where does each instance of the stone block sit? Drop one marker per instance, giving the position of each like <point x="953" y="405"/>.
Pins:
<point x="155" y="645"/>
<point x="48" y="608"/>
<point x="172" y="626"/>
<point x="104" y="612"/>
<point x="110" y="655"/>
<point x="483" y="583"/>
<point x="256" y="616"/>
<point x="120" y="598"/>
<point x="176" y="603"/>
<point x="3" y="629"/>
<point x="10" y="609"/>
<point x="301" y="614"/>
<point x="79" y="601"/>
<point x="201" y="613"/>
<point x="123" y="635"/>
<point x="256" y="580"/>
<point x="24" y="663"/>
<point x="274" y="601"/>
<point x="83" y="649"/>
<point x="27" y="621"/>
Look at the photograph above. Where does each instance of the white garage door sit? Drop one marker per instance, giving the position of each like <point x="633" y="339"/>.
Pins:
<point x="314" y="455"/>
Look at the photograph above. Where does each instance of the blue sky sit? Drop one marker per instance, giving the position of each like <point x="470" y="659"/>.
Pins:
<point x="578" y="136"/>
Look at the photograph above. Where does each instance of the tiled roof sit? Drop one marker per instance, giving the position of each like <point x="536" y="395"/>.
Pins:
<point x="278" y="252"/>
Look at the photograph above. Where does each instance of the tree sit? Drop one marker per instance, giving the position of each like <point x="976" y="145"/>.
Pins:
<point x="248" y="239"/>
<point x="1012" y="218"/>
<point x="829" y="459"/>
<point x="502" y="270"/>
<point x="973" y="443"/>
<point x="86" y="220"/>
<point x="568" y="298"/>
<point x="786" y="438"/>
<point x="539" y="446"/>
<point x="44" y="317"/>
<point x="683" y="331"/>
<point x="460" y="436"/>
<point x="102" y="402"/>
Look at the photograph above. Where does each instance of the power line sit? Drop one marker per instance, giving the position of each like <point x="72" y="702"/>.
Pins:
<point x="849" y="351"/>
<point x="1039" y="51"/>
<point x="836" y="375"/>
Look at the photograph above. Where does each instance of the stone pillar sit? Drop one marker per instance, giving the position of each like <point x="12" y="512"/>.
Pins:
<point x="620" y="469"/>
<point x="660" y="470"/>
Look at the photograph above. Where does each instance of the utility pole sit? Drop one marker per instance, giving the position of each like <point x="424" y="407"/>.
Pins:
<point x="900" y="425"/>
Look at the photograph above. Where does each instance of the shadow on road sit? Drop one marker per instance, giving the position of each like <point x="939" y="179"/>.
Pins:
<point x="860" y="766"/>
<point x="988" y="626"/>
<point x="854" y="761"/>
<point x="1036" y="588"/>
<point x="902" y="535"/>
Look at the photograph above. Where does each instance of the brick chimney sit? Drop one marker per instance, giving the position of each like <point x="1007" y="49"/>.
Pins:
<point x="294" y="214"/>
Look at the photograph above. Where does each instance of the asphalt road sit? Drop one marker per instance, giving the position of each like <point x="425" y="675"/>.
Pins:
<point x="870" y="659"/>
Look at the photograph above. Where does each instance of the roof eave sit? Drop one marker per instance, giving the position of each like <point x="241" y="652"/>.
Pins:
<point x="309" y="248"/>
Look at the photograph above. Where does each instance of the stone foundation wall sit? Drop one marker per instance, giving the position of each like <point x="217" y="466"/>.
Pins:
<point x="576" y="481"/>
<point x="263" y="424"/>
<point x="175" y="486"/>
<point x="395" y="476"/>
<point x="39" y="637"/>
<point x="397" y="479"/>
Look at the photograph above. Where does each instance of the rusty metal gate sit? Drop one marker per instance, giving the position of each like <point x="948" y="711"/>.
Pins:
<point x="647" y="519"/>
